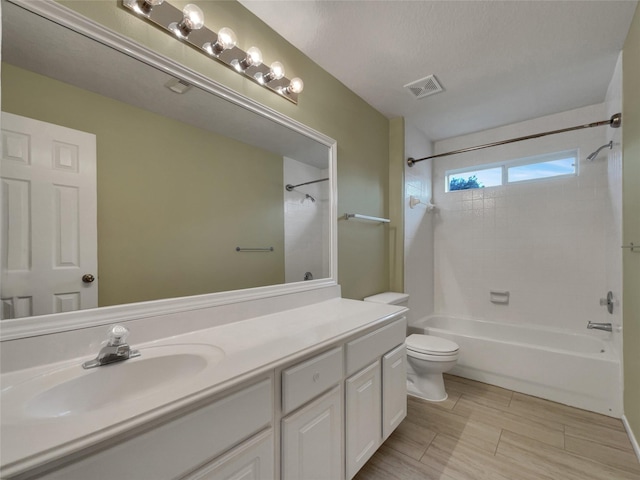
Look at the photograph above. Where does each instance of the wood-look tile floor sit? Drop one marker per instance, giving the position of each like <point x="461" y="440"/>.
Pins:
<point x="483" y="432"/>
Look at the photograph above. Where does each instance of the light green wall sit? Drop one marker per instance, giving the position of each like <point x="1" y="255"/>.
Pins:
<point x="168" y="196"/>
<point x="631" y="222"/>
<point x="325" y="104"/>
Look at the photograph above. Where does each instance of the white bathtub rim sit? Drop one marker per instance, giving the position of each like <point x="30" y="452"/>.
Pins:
<point x="610" y="354"/>
<point x="604" y="336"/>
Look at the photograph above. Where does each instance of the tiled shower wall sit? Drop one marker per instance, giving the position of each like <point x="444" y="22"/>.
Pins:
<point x="546" y="242"/>
<point x="306" y="235"/>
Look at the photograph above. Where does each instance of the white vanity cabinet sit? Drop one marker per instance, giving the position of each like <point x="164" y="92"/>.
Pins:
<point x="173" y="449"/>
<point x="376" y="394"/>
<point x="312" y="435"/>
<point x="312" y="440"/>
<point x="251" y="460"/>
<point x="320" y="415"/>
<point x="364" y="417"/>
<point x="394" y="391"/>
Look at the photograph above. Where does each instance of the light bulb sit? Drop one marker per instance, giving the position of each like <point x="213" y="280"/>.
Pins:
<point x="192" y="19"/>
<point x="295" y="86"/>
<point x="254" y="57"/>
<point x="276" y="71"/>
<point x="226" y="40"/>
<point x="143" y="7"/>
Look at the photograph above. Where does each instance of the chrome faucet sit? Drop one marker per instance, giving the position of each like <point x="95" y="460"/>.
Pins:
<point x="600" y="326"/>
<point x="116" y="350"/>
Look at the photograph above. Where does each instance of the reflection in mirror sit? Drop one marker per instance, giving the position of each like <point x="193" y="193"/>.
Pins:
<point x="142" y="184"/>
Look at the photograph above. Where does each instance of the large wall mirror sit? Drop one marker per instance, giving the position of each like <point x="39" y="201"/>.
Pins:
<point x="127" y="178"/>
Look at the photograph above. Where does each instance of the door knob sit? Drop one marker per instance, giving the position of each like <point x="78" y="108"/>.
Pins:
<point x="88" y="278"/>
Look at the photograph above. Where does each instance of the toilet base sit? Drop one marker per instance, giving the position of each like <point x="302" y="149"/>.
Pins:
<point x="422" y="397"/>
<point x="428" y="387"/>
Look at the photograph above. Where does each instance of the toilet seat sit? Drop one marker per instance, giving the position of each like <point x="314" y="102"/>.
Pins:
<point x="432" y="358"/>
<point x="431" y="346"/>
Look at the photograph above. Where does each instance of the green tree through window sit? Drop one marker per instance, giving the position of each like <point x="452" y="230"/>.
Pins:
<point x="462" y="184"/>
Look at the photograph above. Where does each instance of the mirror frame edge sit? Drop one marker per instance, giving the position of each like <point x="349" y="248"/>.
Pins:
<point x="59" y="322"/>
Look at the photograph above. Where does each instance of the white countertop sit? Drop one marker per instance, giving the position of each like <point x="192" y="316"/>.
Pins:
<point x="251" y="347"/>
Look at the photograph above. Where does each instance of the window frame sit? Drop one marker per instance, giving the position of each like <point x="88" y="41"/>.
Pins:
<point x="518" y="162"/>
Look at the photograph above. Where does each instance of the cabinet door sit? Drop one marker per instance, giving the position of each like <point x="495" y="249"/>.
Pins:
<point x="364" y="417"/>
<point x="252" y="460"/>
<point x="312" y="440"/>
<point x="394" y="389"/>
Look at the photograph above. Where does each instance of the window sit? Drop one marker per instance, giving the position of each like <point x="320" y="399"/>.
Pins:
<point x="478" y="178"/>
<point x="525" y="169"/>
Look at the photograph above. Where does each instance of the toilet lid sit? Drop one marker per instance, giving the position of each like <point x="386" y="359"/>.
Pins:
<point x="430" y="344"/>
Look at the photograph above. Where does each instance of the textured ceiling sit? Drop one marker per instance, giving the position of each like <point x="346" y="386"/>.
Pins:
<point x="499" y="61"/>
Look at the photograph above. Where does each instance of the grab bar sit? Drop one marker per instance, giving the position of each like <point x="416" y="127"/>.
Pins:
<point x="347" y="216"/>
<point x="257" y="249"/>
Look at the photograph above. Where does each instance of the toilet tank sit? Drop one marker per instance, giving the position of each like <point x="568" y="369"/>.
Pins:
<point x="390" y="298"/>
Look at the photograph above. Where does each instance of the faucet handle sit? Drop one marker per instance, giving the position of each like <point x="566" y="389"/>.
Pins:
<point x="118" y="335"/>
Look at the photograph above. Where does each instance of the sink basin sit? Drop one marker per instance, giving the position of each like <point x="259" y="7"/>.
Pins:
<point x="74" y="390"/>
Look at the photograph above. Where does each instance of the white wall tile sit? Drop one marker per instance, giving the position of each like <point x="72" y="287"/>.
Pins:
<point x="305" y="226"/>
<point x="548" y="242"/>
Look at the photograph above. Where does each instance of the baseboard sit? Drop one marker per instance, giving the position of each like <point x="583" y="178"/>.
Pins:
<point x="632" y="437"/>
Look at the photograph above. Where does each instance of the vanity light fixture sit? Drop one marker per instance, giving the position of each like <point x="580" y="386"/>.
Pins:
<point x="188" y="26"/>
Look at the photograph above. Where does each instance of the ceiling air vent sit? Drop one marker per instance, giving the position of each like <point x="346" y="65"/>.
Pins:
<point x="424" y="87"/>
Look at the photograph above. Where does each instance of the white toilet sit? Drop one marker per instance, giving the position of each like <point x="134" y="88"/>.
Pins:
<point x="428" y="357"/>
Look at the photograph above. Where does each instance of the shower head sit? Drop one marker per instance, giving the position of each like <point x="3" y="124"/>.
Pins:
<point x="595" y="154"/>
<point x="310" y="197"/>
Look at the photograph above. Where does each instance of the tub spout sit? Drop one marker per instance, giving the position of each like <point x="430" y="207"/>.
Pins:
<point x="600" y="326"/>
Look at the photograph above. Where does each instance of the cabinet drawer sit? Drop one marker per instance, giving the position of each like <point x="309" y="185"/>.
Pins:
<point x="252" y="459"/>
<point x="172" y="449"/>
<point x="308" y="379"/>
<point x="364" y="350"/>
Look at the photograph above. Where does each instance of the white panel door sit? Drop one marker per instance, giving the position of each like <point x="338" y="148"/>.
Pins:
<point x="312" y="440"/>
<point x="394" y="389"/>
<point x="49" y="218"/>
<point x="364" y="417"/>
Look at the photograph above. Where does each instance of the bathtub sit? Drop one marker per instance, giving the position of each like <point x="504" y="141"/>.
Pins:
<point x="574" y="369"/>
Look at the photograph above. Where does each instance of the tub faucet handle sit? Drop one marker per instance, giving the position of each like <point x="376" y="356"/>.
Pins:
<point x="608" y="302"/>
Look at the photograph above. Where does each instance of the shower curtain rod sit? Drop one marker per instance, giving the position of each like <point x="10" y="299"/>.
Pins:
<point x="615" y="121"/>
<point x="290" y="187"/>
